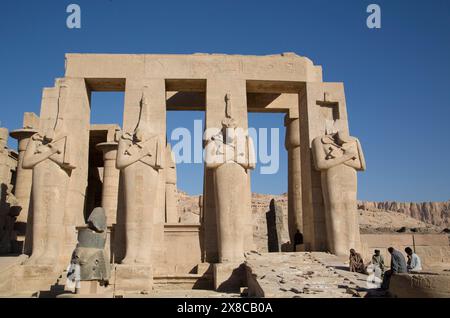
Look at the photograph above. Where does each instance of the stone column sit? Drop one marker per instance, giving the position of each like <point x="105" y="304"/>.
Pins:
<point x="5" y="190"/>
<point x="111" y="174"/>
<point x="145" y="107"/>
<point x="171" y="188"/>
<point x="5" y="170"/>
<point x="292" y="144"/>
<point x="318" y="103"/>
<point x="23" y="176"/>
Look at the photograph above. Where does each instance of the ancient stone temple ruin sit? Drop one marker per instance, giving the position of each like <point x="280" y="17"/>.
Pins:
<point x="66" y="167"/>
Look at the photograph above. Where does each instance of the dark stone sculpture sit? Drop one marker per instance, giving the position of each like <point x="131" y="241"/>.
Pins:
<point x="275" y="227"/>
<point x="90" y="251"/>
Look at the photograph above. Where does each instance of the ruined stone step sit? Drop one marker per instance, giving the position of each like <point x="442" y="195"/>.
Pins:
<point x="188" y="281"/>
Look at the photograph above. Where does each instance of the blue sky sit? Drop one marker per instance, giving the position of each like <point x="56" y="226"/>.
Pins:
<point x="397" y="78"/>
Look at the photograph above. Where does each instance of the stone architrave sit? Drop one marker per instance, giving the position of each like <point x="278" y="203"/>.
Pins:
<point x="140" y="157"/>
<point x="230" y="153"/>
<point x="338" y="157"/>
<point x="171" y="188"/>
<point x="46" y="154"/>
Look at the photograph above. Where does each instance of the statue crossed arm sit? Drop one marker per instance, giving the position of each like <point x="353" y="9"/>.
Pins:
<point x="329" y="154"/>
<point x="129" y="153"/>
<point x="132" y="150"/>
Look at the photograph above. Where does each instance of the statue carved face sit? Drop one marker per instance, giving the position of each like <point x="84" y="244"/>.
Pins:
<point x="141" y="134"/>
<point x="49" y="135"/>
<point x="343" y="136"/>
<point x="2" y="143"/>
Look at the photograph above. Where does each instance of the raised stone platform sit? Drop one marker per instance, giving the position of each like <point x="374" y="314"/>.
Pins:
<point x="421" y="285"/>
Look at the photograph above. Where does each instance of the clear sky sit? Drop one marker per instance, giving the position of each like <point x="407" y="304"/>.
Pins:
<point x="397" y="78"/>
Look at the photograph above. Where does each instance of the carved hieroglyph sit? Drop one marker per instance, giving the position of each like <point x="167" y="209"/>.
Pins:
<point x="47" y="155"/>
<point x="230" y="152"/>
<point x="140" y="157"/>
<point x="339" y="156"/>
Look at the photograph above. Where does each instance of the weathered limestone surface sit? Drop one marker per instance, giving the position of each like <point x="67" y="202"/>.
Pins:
<point x="229" y="152"/>
<point x="421" y="285"/>
<point x="140" y="199"/>
<point x="300" y="275"/>
<point x="24" y="177"/>
<point x="47" y="155"/>
<point x="58" y="155"/>
<point x="338" y="156"/>
<point x="171" y="188"/>
<point x="275" y="227"/>
<point x="140" y="158"/>
<point x="9" y="206"/>
<point x="111" y="175"/>
<point x="183" y="251"/>
<point x="292" y="144"/>
<point x="136" y="278"/>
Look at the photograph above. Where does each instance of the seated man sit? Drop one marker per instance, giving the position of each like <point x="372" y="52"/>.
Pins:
<point x="414" y="262"/>
<point x="357" y="263"/>
<point x="378" y="261"/>
<point x="398" y="266"/>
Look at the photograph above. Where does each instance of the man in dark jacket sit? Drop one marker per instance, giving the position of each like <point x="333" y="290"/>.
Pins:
<point x="398" y="266"/>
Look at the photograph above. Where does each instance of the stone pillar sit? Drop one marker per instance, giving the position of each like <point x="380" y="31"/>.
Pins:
<point x="227" y="187"/>
<point x="319" y="103"/>
<point x="292" y="144"/>
<point x="275" y="227"/>
<point x="171" y="188"/>
<point x="22" y="191"/>
<point x="149" y="114"/>
<point x="110" y="190"/>
<point x="6" y="197"/>
<point x="5" y="169"/>
<point x="24" y="176"/>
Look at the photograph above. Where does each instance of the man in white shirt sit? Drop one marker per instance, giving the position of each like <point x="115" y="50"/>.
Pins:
<point x="414" y="262"/>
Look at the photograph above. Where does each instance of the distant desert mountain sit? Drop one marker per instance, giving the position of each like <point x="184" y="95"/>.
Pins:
<point x="373" y="217"/>
<point x="436" y="213"/>
<point x="427" y="213"/>
<point x="390" y="217"/>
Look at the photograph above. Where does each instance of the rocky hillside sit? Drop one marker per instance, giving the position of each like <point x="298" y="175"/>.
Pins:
<point x="373" y="217"/>
<point x="436" y="213"/>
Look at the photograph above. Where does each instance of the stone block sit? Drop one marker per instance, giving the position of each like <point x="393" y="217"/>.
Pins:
<point x="35" y="278"/>
<point x="423" y="285"/>
<point x="229" y="277"/>
<point x="431" y="239"/>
